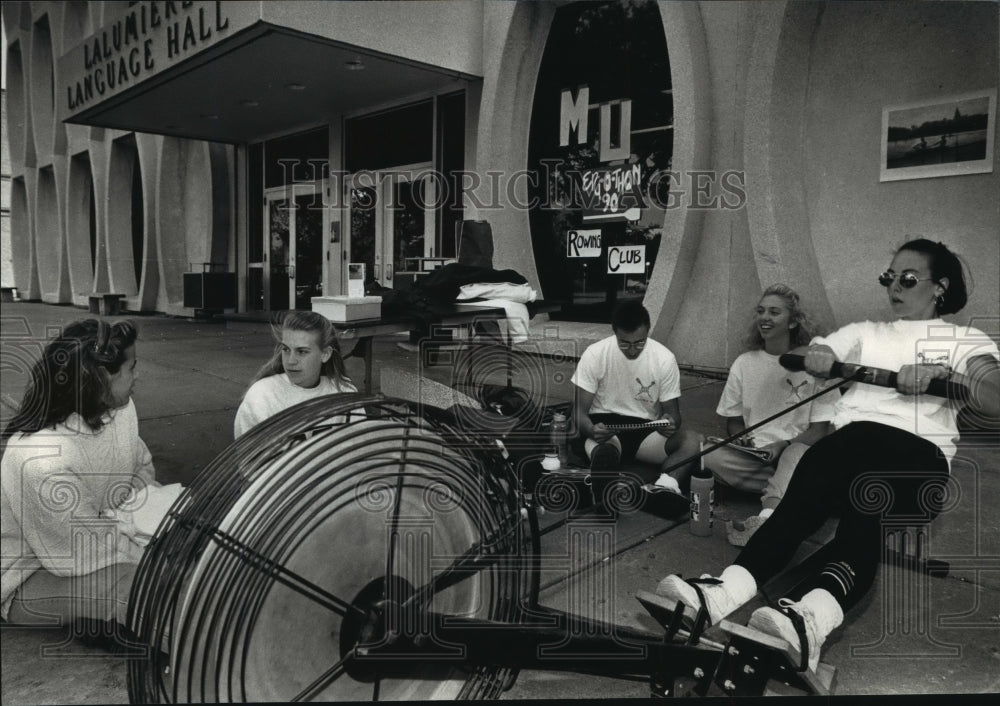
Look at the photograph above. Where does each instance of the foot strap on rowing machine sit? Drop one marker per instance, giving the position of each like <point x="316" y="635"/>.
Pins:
<point x="701" y="620"/>
<point x="800" y="629"/>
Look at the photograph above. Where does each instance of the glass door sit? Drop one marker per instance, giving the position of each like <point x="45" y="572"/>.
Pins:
<point x="392" y="222"/>
<point x="293" y="230"/>
<point x="307" y="249"/>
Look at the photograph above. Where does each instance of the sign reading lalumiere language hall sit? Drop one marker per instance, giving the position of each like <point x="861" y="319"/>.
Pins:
<point x="141" y="42"/>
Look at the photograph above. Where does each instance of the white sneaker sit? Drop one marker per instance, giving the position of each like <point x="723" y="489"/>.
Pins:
<point x="668" y="482"/>
<point x="820" y="613"/>
<point x="721" y="596"/>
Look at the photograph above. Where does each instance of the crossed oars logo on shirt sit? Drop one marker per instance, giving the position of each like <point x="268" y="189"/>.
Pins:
<point x="644" y="389"/>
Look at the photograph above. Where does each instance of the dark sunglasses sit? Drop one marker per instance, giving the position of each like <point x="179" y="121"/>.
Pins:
<point x="907" y="280"/>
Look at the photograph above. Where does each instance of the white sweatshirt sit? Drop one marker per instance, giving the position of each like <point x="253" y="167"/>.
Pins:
<point x="270" y="395"/>
<point x="54" y="486"/>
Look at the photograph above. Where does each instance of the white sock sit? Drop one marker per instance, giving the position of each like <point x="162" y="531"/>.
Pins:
<point x="739" y="582"/>
<point x="829" y="615"/>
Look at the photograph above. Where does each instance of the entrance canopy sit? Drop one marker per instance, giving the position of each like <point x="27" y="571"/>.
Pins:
<point x="221" y="72"/>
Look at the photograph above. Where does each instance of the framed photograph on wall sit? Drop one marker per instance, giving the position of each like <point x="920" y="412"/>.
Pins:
<point x="943" y="136"/>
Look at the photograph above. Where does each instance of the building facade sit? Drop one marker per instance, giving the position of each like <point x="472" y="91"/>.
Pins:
<point x="685" y="153"/>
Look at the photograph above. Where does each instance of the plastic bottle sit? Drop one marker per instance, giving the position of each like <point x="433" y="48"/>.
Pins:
<point x="559" y="435"/>
<point x="702" y="502"/>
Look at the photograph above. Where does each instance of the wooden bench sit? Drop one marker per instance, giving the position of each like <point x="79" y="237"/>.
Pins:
<point x="105" y="303"/>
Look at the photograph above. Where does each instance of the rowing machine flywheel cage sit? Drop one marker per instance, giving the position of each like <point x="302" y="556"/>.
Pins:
<point x="336" y="524"/>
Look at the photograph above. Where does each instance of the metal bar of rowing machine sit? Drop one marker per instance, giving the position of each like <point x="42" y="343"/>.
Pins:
<point x="567" y="643"/>
<point x="876" y="376"/>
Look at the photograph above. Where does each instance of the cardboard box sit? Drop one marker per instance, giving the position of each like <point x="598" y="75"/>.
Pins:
<point x="343" y="309"/>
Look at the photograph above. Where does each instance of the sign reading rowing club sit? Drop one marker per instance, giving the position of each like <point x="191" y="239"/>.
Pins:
<point x="583" y="243"/>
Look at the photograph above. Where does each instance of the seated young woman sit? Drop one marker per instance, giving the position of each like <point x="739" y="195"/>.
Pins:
<point x="73" y="456"/>
<point x="306" y="364"/>
<point x="901" y="439"/>
<point x="758" y="387"/>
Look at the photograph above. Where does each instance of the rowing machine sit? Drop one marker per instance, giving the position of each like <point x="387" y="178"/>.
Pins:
<point x="383" y="557"/>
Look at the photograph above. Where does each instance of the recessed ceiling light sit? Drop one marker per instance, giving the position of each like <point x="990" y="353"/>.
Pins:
<point x="250" y="103"/>
<point x="295" y="87"/>
<point x="354" y="65"/>
<point x="210" y="116"/>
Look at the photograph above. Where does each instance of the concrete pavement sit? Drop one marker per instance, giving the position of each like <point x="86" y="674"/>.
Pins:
<point x="913" y="635"/>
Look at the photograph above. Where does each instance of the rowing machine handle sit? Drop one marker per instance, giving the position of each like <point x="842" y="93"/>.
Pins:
<point x="863" y="373"/>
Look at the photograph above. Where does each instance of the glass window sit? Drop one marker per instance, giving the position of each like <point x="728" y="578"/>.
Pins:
<point x="451" y="144"/>
<point x="597" y="223"/>
<point x="297" y="158"/>
<point x="255" y="217"/>
<point x="391" y="138"/>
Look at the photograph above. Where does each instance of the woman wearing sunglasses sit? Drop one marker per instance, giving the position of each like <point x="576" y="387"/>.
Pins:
<point x="888" y="458"/>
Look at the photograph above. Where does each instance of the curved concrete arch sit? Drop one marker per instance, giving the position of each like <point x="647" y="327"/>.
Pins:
<point x="123" y="160"/>
<point x="22" y="245"/>
<point x="17" y="105"/>
<point x="42" y="85"/>
<point x="53" y="278"/>
<point x="148" y="154"/>
<point x="11" y="13"/>
<point x="81" y="226"/>
<point x="516" y="36"/>
<point x="75" y="26"/>
<point x="26" y="15"/>
<point x="690" y="81"/>
<point x="223" y="213"/>
<point x="184" y="202"/>
<point x="100" y="154"/>
<point x="777" y="96"/>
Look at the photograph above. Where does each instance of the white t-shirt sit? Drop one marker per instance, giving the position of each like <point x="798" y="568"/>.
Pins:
<point x="759" y="387"/>
<point x="270" y="395"/>
<point x="629" y="387"/>
<point x="892" y="345"/>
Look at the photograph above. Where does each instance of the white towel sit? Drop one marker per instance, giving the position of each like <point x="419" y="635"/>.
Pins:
<point x="520" y="293"/>
<point x="144" y="510"/>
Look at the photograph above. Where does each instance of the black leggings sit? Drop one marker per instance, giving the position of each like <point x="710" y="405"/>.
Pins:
<point x="872" y="475"/>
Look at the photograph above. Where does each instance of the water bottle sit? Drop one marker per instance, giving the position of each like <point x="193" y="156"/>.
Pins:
<point x="702" y="502"/>
<point x="559" y="435"/>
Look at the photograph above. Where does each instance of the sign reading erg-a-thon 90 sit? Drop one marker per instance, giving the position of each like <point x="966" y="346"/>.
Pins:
<point x="610" y="193"/>
<point x="142" y="41"/>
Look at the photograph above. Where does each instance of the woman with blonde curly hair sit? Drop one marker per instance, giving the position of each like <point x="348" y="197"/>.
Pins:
<point x="759" y="387"/>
